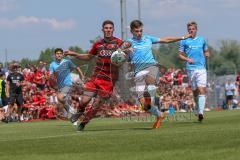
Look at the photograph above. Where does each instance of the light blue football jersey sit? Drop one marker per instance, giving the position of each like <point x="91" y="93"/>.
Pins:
<point x="194" y="49"/>
<point x="142" y="57"/>
<point x="62" y="71"/>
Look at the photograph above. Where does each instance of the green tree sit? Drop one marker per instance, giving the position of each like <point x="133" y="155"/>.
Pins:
<point x="167" y="55"/>
<point x="92" y="41"/>
<point x="230" y="50"/>
<point x="76" y="49"/>
<point x="226" y="60"/>
<point x="47" y="55"/>
<point x="228" y="67"/>
<point x="26" y="61"/>
<point x="86" y="66"/>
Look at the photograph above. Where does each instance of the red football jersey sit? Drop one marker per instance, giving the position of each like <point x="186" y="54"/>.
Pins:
<point x="103" y="49"/>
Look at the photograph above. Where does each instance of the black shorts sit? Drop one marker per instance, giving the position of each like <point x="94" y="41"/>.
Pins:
<point x="18" y="98"/>
<point x="4" y="101"/>
<point x="230" y="97"/>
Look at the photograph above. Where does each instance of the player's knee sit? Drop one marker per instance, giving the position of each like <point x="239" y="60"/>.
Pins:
<point x="201" y="91"/>
<point x="60" y="97"/>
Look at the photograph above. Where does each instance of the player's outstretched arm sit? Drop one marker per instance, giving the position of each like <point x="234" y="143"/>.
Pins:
<point x="80" y="73"/>
<point x="173" y="39"/>
<point x="79" y="56"/>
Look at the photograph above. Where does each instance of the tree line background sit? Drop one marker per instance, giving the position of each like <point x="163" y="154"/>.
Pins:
<point x="223" y="61"/>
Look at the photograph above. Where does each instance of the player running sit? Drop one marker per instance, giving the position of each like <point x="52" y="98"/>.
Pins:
<point x="194" y="52"/>
<point x="145" y="67"/>
<point x="100" y="86"/>
<point x="60" y="70"/>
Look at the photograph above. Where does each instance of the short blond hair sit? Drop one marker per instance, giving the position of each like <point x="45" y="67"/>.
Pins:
<point x="192" y="23"/>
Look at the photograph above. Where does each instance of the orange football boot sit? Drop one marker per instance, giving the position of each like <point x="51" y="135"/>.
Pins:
<point x="159" y="120"/>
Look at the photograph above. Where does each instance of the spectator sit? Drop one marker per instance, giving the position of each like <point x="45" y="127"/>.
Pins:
<point x="1" y="68"/>
<point x="229" y="92"/>
<point x="169" y="77"/>
<point x="238" y="83"/>
<point x="178" y="78"/>
<point x="14" y="92"/>
<point x="3" y="89"/>
<point x="1" y="80"/>
<point x="39" y="78"/>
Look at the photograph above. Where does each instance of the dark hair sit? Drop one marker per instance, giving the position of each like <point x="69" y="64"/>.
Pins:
<point x="136" y="24"/>
<point x="58" y="50"/>
<point x="107" y="22"/>
<point x="16" y="66"/>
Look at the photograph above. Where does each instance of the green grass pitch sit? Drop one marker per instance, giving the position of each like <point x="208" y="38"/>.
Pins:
<point x="217" y="138"/>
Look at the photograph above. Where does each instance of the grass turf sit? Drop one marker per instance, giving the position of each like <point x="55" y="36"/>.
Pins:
<point x="217" y="138"/>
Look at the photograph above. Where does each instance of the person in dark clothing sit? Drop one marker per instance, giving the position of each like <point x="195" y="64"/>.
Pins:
<point x="14" y="92"/>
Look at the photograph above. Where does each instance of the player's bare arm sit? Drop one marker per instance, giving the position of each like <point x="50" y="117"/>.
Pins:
<point x="174" y="39"/>
<point x="81" y="75"/>
<point x="182" y="56"/>
<point x="7" y="88"/>
<point x="79" y="56"/>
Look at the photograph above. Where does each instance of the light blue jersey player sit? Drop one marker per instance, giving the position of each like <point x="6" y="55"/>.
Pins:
<point x="61" y="69"/>
<point x="142" y="57"/>
<point x="194" y="51"/>
<point x="145" y="67"/>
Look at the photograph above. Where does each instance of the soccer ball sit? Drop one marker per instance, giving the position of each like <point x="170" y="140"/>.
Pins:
<point x="118" y="57"/>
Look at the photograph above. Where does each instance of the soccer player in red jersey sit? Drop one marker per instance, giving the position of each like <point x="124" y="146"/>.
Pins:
<point x="100" y="85"/>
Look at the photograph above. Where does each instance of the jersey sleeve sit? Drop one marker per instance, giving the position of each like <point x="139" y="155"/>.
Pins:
<point x="205" y="47"/>
<point x="153" y="39"/>
<point x="181" y="46"/>
<point x="93" y="50"/>
<point x="120" y="43"/>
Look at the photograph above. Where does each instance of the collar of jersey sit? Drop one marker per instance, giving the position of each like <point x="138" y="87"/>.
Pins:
<point x="139" y="40"/>
<point x="195" y="38"/>
<point x="60" y="61"/>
